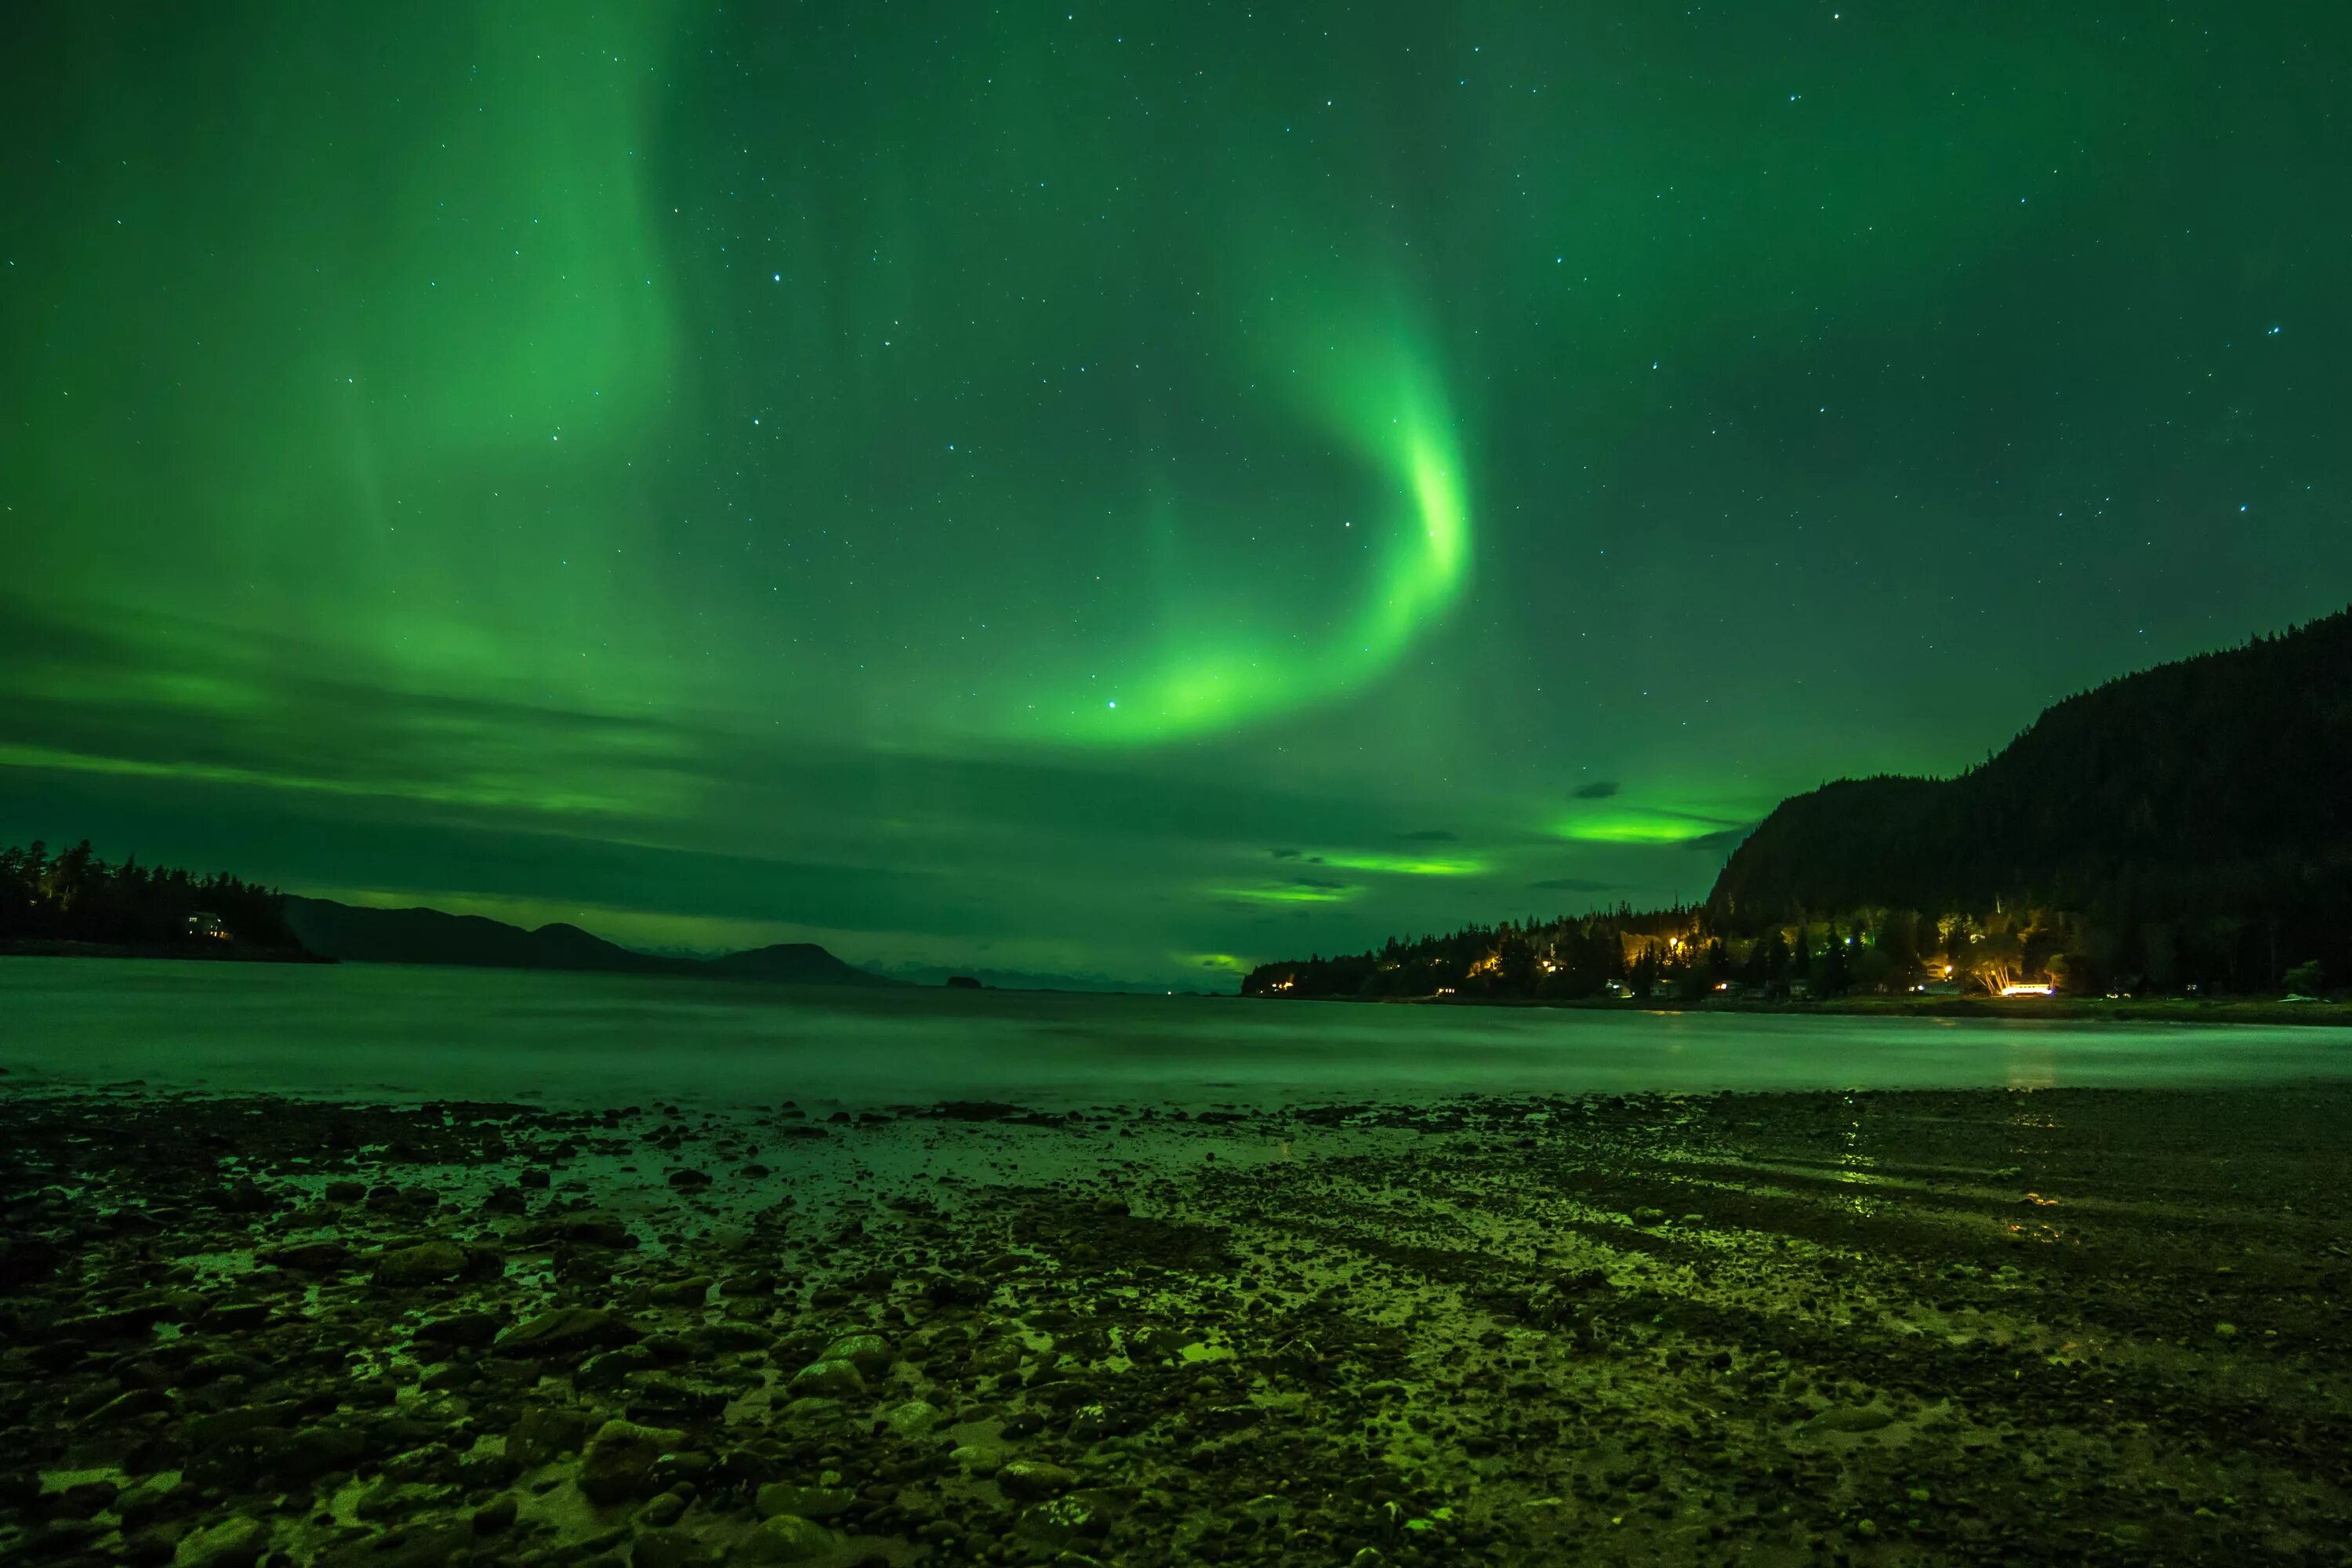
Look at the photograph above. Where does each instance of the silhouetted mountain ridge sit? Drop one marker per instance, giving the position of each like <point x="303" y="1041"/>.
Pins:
<point x="2215" y="787"/>
<point x="366" y="935"/>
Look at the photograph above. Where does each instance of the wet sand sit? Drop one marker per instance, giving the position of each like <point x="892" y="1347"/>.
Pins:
<point x="2083" y="1325"/>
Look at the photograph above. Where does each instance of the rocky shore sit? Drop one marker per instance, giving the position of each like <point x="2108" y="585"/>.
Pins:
<point x="2061" y="1326"/>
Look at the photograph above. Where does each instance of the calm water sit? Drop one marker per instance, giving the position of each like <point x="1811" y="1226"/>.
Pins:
<point x="378" y="1031"/>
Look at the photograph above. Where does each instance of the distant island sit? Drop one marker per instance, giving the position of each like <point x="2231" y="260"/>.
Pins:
<point x="362" y="935"/>
<point x="74" y="904"/>
<point x="2184" y="832"/>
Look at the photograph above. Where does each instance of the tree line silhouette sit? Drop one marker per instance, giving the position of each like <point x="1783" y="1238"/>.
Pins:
<point x="74" y="896"/>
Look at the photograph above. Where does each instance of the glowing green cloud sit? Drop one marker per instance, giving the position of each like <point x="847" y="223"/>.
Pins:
<point x="1616" y="824"/>
<point x="1291" y="893"/>
<point x="1395" y="866"/>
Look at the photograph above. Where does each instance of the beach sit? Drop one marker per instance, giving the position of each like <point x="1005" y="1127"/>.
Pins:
<point x="2065" y="1325"/>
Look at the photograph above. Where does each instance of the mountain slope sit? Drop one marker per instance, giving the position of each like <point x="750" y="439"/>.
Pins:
<point x="2217" y="787"/>
<point x="365" y="935"/>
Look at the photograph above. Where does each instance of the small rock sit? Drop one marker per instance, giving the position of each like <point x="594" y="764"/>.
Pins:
<point x="470" y="1330"/>
<point x="1851" y="1418"/>
<point x="496" y="1516"/>
<point x="808" y="1502"/>
<point x="829" y="1379"/>
<point x="298" y="1458"/>
<point x="1033" y="1480"/>
<point x="685" y="1179"/>
<point x="870" y="1353"/>
<point x="588" y="1227"/>
<point x="667" y="1547"/>
<point x="237" y="1542"/>
<point x="545" y="1431"/>
<point x="569" y="1330"/>
<point x="427" y="1263"/>
<point x="913" y="1419"/>
<point x="664" y="1510"/>
<point x="311" y="1257"/>
<point x="153" y="1545"/>
<point x="786" y="1538"/>
<point x="620" y="1460"/>
<point x="87" y="1498"/>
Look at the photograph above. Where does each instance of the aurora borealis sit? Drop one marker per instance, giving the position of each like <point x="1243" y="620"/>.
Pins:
<point x="1124" y="491"/>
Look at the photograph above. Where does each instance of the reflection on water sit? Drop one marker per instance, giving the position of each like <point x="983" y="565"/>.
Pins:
<point x="395" y="1032"/>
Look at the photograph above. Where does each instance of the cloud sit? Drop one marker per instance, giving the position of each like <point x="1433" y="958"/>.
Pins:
<point x="1599" y="789"/>
<point x="1286" y="854"/>
<point x="1429" y="835"/>
<point x="1727" y="839"/>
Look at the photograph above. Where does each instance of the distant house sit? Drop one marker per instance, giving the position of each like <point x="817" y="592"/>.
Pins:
<point x="204" y="923"/>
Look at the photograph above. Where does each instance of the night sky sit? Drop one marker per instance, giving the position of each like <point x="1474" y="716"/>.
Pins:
<point x="1125" y="491"/>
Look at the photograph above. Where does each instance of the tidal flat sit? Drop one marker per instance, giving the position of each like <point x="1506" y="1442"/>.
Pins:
<point x="1778" y="1328"/>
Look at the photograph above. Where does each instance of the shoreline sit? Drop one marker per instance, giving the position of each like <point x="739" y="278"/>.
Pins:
<point x="2052" y="1009"/>
<point x="1780" y="1329"/>
<point x="190" y="951"/>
